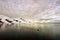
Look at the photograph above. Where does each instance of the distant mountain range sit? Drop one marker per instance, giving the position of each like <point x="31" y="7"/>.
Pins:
<point x="9" y="20"/>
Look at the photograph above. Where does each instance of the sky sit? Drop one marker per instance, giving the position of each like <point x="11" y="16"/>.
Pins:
<point x="30" y="9"/>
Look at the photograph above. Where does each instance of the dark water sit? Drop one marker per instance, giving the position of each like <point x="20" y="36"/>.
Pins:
<point x="26" y="35"/>
<point x="48" y="33"/>
<point x="13" y="34"/>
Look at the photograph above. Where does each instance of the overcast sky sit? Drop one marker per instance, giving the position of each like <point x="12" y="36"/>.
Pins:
<point x="30" y="9"/>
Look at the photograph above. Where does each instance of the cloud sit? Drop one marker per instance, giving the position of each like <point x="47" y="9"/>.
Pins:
<point x="26" y="8"/>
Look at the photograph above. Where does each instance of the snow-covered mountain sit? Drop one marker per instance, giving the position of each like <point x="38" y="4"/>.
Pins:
<point x="9" y="20"/>
<point x="14" y="20"/>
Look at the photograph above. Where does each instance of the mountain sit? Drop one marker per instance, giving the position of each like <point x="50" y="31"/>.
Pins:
<point x="6" y="19"/>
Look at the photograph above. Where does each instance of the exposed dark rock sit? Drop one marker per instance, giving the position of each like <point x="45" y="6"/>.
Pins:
<point x="8" y="21"/>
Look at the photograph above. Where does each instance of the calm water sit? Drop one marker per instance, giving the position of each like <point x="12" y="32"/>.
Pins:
<point x="33" y="31"/>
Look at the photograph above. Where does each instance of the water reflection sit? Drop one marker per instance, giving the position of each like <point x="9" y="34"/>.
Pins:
<point x="40" y="29"/>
